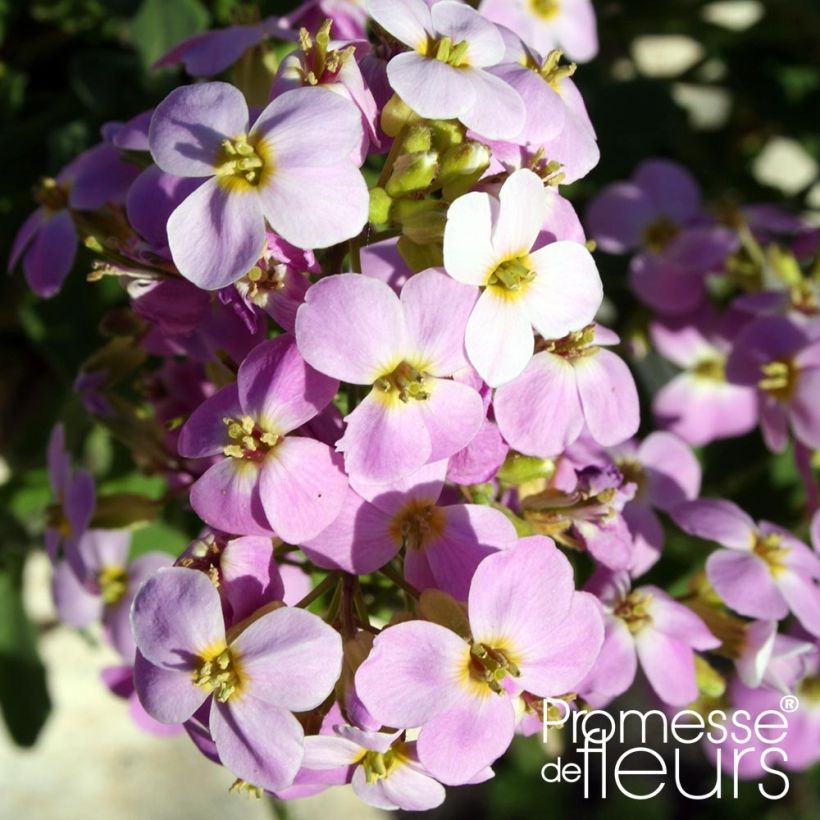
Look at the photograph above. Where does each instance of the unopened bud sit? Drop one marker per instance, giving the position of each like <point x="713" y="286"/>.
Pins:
<point x="380" y="205"/>
<point x="412" y="173"/>
<point x="396" y="115"/>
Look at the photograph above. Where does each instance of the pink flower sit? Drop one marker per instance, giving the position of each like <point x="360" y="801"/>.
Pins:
<point x="444" y="76"/>
<point x="645" y="625"/>
<point x="267" y="479"/>
<point x="569" y="383"/>
<point x="285" y="661"/>
<point x="528" y="631"/>
<point x="764" y="571"/>
<point x="357" y="329"/>
<point x="291" y="169"/>
<point x="443" y="544"/>
<point x="488" y="242"/>
<point x="548" y="24"/>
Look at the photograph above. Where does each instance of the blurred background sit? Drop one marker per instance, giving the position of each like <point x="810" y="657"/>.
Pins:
<point x="729" y="88"/>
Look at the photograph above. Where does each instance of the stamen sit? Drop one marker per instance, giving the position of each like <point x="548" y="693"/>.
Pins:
<point x="490" y="665"/>
<point x="779" y="379"/>
<point x="512" y="276"/>
<point x="634" y="611"/>
<point x="770" y="548"/>
<point x="248" y="441"/>
<point x="113" y="583"/>
<point x="220" y="675"/>
<point x="405" y="382"/>
<point x="239" y="160"/>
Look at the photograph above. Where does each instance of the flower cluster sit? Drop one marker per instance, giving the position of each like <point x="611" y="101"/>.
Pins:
<point x="364" y="324"/>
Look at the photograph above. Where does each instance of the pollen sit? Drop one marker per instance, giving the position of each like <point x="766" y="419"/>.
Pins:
<point x="512" y="278"/>
<point x="406" y="383"/>
<point x="778" y="379"/>
<point x="243" y="164"/>
<point x="634" y="611"/>
<point x="219" y="672"/>
<point x="248" y="440"/>
<point x="379" y="765"/>
<point x="488" y="666"/>
<point x="446" y="51"/>
<point x="770" y="548"/>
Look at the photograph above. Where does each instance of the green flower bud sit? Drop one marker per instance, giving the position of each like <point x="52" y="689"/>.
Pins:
<point x="412" y="173"/>
<point x="419" y="256"/>
<point x="422" y="221"/>
<point x="461" y="167"/>
<point x="518" y="469"/>
<point x="380" y="205"/>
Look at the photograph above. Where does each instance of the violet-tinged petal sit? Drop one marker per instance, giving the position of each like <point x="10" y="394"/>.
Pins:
<point x="453" y="413"/>
<point x="434" y="90"/>
<point x="672" y="469"/>
<point x="28" y="230"/>
<point x="351" y="327"/>
<point x="177" y="616"/>
<point x="384" y="440"/>
<point x="436" y="310"/>
<point x="618" y="216"/>
<point x="50" y="254"/>
<point x="409" y="23"/>
<point x="189" y="125"/>
<point x="804" y="411"/>
<point x="802" y="594"/>
<point x="279" y="389"/>
<point x="497" y="111"/>
<point x="216" y="235"/>
<point x="249" y="575"/>
<point x="678" y="621"/>
<point x="671" y="188"/>
<point x="745" y="584"/>
<point x="205" y="433"/>
<point x="290" y="657"/>
<point x="167" y="695"/>
<point x="212" y="52"/>
<point x="608" y="396"/>
<point x="413" y="673"/>
<point x="669" y="664"/>
<point x="406" y="788"/>
<point x="302" y="488"/>
<point x="296" y="129"/>
<point x="546" y="391"/>
<point x="647" y="537"/>
<point x="330" y="752"/>
<point x="500" y="615"/>
<point x="316" y="207"/>
<point x="102" y="549"/>
<point x="80" y="500"/>
<point x="461" y="741"/>
<point x="257" y="741"/>
<point x="481" y="459"/>
<point x="356" y="541"/>
<point x="76" y="605"/>
<point x="614" y="670"/>
<point x="717" y="520"/>
<point x="226" y="497"/>
<point x="664" y="287"/>
<point x="462" y="23"/>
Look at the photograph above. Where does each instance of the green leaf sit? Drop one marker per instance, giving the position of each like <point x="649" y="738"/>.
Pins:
<point x="159" y="536"/>
<point x="160" y="25"/>
<point x="24" y="698"/>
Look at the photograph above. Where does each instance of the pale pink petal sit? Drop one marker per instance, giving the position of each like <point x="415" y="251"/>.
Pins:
<point x="802" y="594"/>
<point x="717" y="520"/>
<point x="459" y="22"/>
<point x="412" y="674"/>
<point x="614" y="670"/>
<point x="497" y="111"/>
<point x="431" y="88"/>
<point x="409" y="22"/>
<point x="167" y="695"/>
<point x="669" y="665"/>
<point x="302" y="488"/>
<point x="436" y="309"/>
<point x="539" y="413"/>
<point x="453" y="415"/>
<point x="678" y="621"/>
<point x="352" y="327"/>
<point x="609" y="397"/>
<point x="745" y="584"/>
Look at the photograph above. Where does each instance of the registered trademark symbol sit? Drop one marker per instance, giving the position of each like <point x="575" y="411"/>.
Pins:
<point x="789" y="703"/>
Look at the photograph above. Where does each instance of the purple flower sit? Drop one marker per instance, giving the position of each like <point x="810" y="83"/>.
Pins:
<point x="383" y="769"/>
<point x="665" y="473"/>
<point x="292" y="168"/>
<point x="569" y="383"/>
<point x="764" y="571"/>
<point x="267" y="481"/>
<point x="699" y="404"/>
<point x="549" y="24"/>
<point x="97" y="582"/>
<point x="349" y="17"/>
<point x="766" y="658"/>
<point x="47" y="241"/>
<point x="645" y="625"/>
<point x="75" y="498"/>
<point x="443" y="544"/>
<point x="357" y="329"/>
<point x="782" y="361"/>
<point x="120" y="682"/>
<point x="444" y="75"/>
<point x="528" y="631"/>
<point x="285" y="661"/>
<point x="488" y="242"/>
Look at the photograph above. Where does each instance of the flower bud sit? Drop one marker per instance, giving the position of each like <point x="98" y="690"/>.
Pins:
<point x="412" y="173"/>
<point x="380" y="205"/>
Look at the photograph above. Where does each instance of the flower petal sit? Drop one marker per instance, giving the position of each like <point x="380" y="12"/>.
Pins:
<point x="453" y="415"/>
<point x="522" y="212"/>
<point x="469" y="255"/>
<point x="716" y="520"/>
<point x="50" y="255"/>
<point x="205" y="433"/>
<point x="669" y="665"/>
<point x="409" y="23"/>
<point x="434" y="90"/>
<point x="745" y="584"/>
<point x="167" y="695"/>
<point x="216" y="235"/>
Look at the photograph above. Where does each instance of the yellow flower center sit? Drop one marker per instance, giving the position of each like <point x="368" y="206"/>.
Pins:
<point x="488" y="666"/>
<point x="417" y="524"/>
<point x="243" y="165"/>
<point x="512" y="278"/>
<point x="545" y="9"/>
<point x="248" y="441"/>
<point x="634" y="611"/>
<point x="633" y="472"/>
<point x="770" y="548"/>
<point x="809" y="690"/>
<point x="405" y="383"/>
<point x="446" y="51"/>
<point x="113" y="582"/>
<point x="51" y="194"/>
<point x="573" y="346"/>
<point x="320" y="63"/>
<point x="219" y="672"/>
<point x="778" y="379"/>
<point x="378" y="765"/>
<point x="711" y="369"/>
